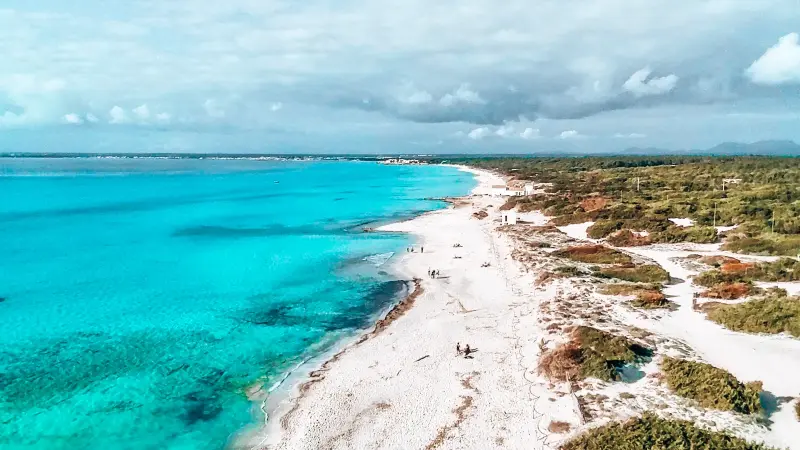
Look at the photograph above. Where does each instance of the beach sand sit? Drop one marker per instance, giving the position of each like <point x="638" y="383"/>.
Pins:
<point x="405" y="387"/>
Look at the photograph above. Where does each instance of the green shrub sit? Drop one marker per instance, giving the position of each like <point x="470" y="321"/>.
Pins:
<point x="594" y="254"/>
<point x="569" y="271"/>
<point x="650" y="432"/>
<point x="784" y="269"/>
<point x="592" y="353"/>
<point x="710" y="386"/>
<point x="696" y="234"/>
<point x="767" y="244"/>
<point x="797" y="408"/>
<point x="763" y="315"/>
<point x="647" y="273"/>
<point x="603" y="228"/>
<point x="628" y="289"/>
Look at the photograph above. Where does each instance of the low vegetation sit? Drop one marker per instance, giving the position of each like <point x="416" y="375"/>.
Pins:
<point x="641" y="193"/>
<point x="797" y="408"/>
<point x="559" y="427"/>
<point x="652" y="300"/>
<point x="653" y="432"/>
<point x="769" y="244"/>
<point x="592" y="353"/>
<point x="645" y="273"/>
<point x="569" y="271"/>
<point x="627" y="238"/>
<point x="784" y="269"/>
<point x="594" y="254"/>
<point x="772" y="314"/>
<point x="730" y="291"/>
<point x="710" y="386"/>
<point x="648" y="296"/>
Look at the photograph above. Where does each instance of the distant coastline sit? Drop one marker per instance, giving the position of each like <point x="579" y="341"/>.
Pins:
<point x="776" y="148"/>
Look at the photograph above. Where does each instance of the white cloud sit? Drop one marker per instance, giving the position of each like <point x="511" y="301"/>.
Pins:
<point x="163" y="117"/>
<point x="142" y="112"/>
<point x="570" y="134"/>
<point x="91" y="118"/>
<point x="479" y="133"/>
<point x="73" y="119"/>
<point x="505" y="130"/>
<point x="639" y="84"/>
<point x="779" y="64"/>
<point x="629" y="135"/>
<point x="461" y="95"/>
<point x="530" y="133"/>
<point x="277" y="106"/>
<point x="418" y="98"/>
<point x="118" y="115"/>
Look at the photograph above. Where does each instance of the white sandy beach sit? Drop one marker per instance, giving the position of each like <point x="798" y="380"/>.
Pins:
<point x="406" y="388"/>
<point x="403" y="387"/>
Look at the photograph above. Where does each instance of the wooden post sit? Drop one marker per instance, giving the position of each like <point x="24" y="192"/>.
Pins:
<point x="773" y="220"/>
<point x="715" y="214"/>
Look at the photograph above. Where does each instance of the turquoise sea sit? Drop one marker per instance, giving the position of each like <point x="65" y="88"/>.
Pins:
<point x="140" y="298"/>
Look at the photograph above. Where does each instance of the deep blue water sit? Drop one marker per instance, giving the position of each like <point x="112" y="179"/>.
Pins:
<point x="140" y="298"/>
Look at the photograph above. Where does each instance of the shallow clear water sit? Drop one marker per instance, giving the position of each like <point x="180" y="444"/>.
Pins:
<point x="140" y="298"/>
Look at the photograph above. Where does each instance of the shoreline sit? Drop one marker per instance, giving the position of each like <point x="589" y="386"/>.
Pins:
<point x="285" y="396"/>
<point x="401" y="388"/>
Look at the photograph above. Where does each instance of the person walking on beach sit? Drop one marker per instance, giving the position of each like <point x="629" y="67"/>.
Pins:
<point x="458" y="348"/>
<point x="422" y="249"/>
<point x="466" y="351"/>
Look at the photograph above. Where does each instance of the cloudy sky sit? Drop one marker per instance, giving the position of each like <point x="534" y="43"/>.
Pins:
<point x="396" y="75"/>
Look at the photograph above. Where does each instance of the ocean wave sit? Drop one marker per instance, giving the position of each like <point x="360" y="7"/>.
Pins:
<point x="379" y="259"/>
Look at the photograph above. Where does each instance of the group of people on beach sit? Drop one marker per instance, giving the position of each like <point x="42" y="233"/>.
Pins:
<point x="411" y="249"/>
<point x="466" y="351"/>
<point x="433" y="273"/>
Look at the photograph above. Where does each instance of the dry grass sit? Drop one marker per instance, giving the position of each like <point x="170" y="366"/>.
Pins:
<point x="730" y="291"/>
<point x="627" y="238"/>
<point x="559" y="427"/>
<point x="482" y="214"/>
<point x="718" y="260"/>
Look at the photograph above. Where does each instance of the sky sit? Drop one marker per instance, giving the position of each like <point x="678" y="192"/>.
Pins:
<point x="415" y="76"/>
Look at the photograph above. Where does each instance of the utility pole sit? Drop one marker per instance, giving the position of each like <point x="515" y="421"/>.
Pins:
<point x="715" y="214"/>
<point x="637" y="184"/>
<point x="773" y="220"/>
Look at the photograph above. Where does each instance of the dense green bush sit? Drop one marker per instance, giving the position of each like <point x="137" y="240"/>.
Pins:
<point x="768" y="244"/>
<point x="592" y="353"/>
<point x="603" y="228"/>
<point x="696" y="234"/>
<point x="784" y="269"/>
<point x="593" y="254"/>
<point x="646" y="273"/>
<point x="650" y="432"/>
<point x="763" y="315"/>
<point x="710" y="386"/>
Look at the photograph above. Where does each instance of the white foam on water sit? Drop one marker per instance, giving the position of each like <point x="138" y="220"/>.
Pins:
<point x="379" y="259"/>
